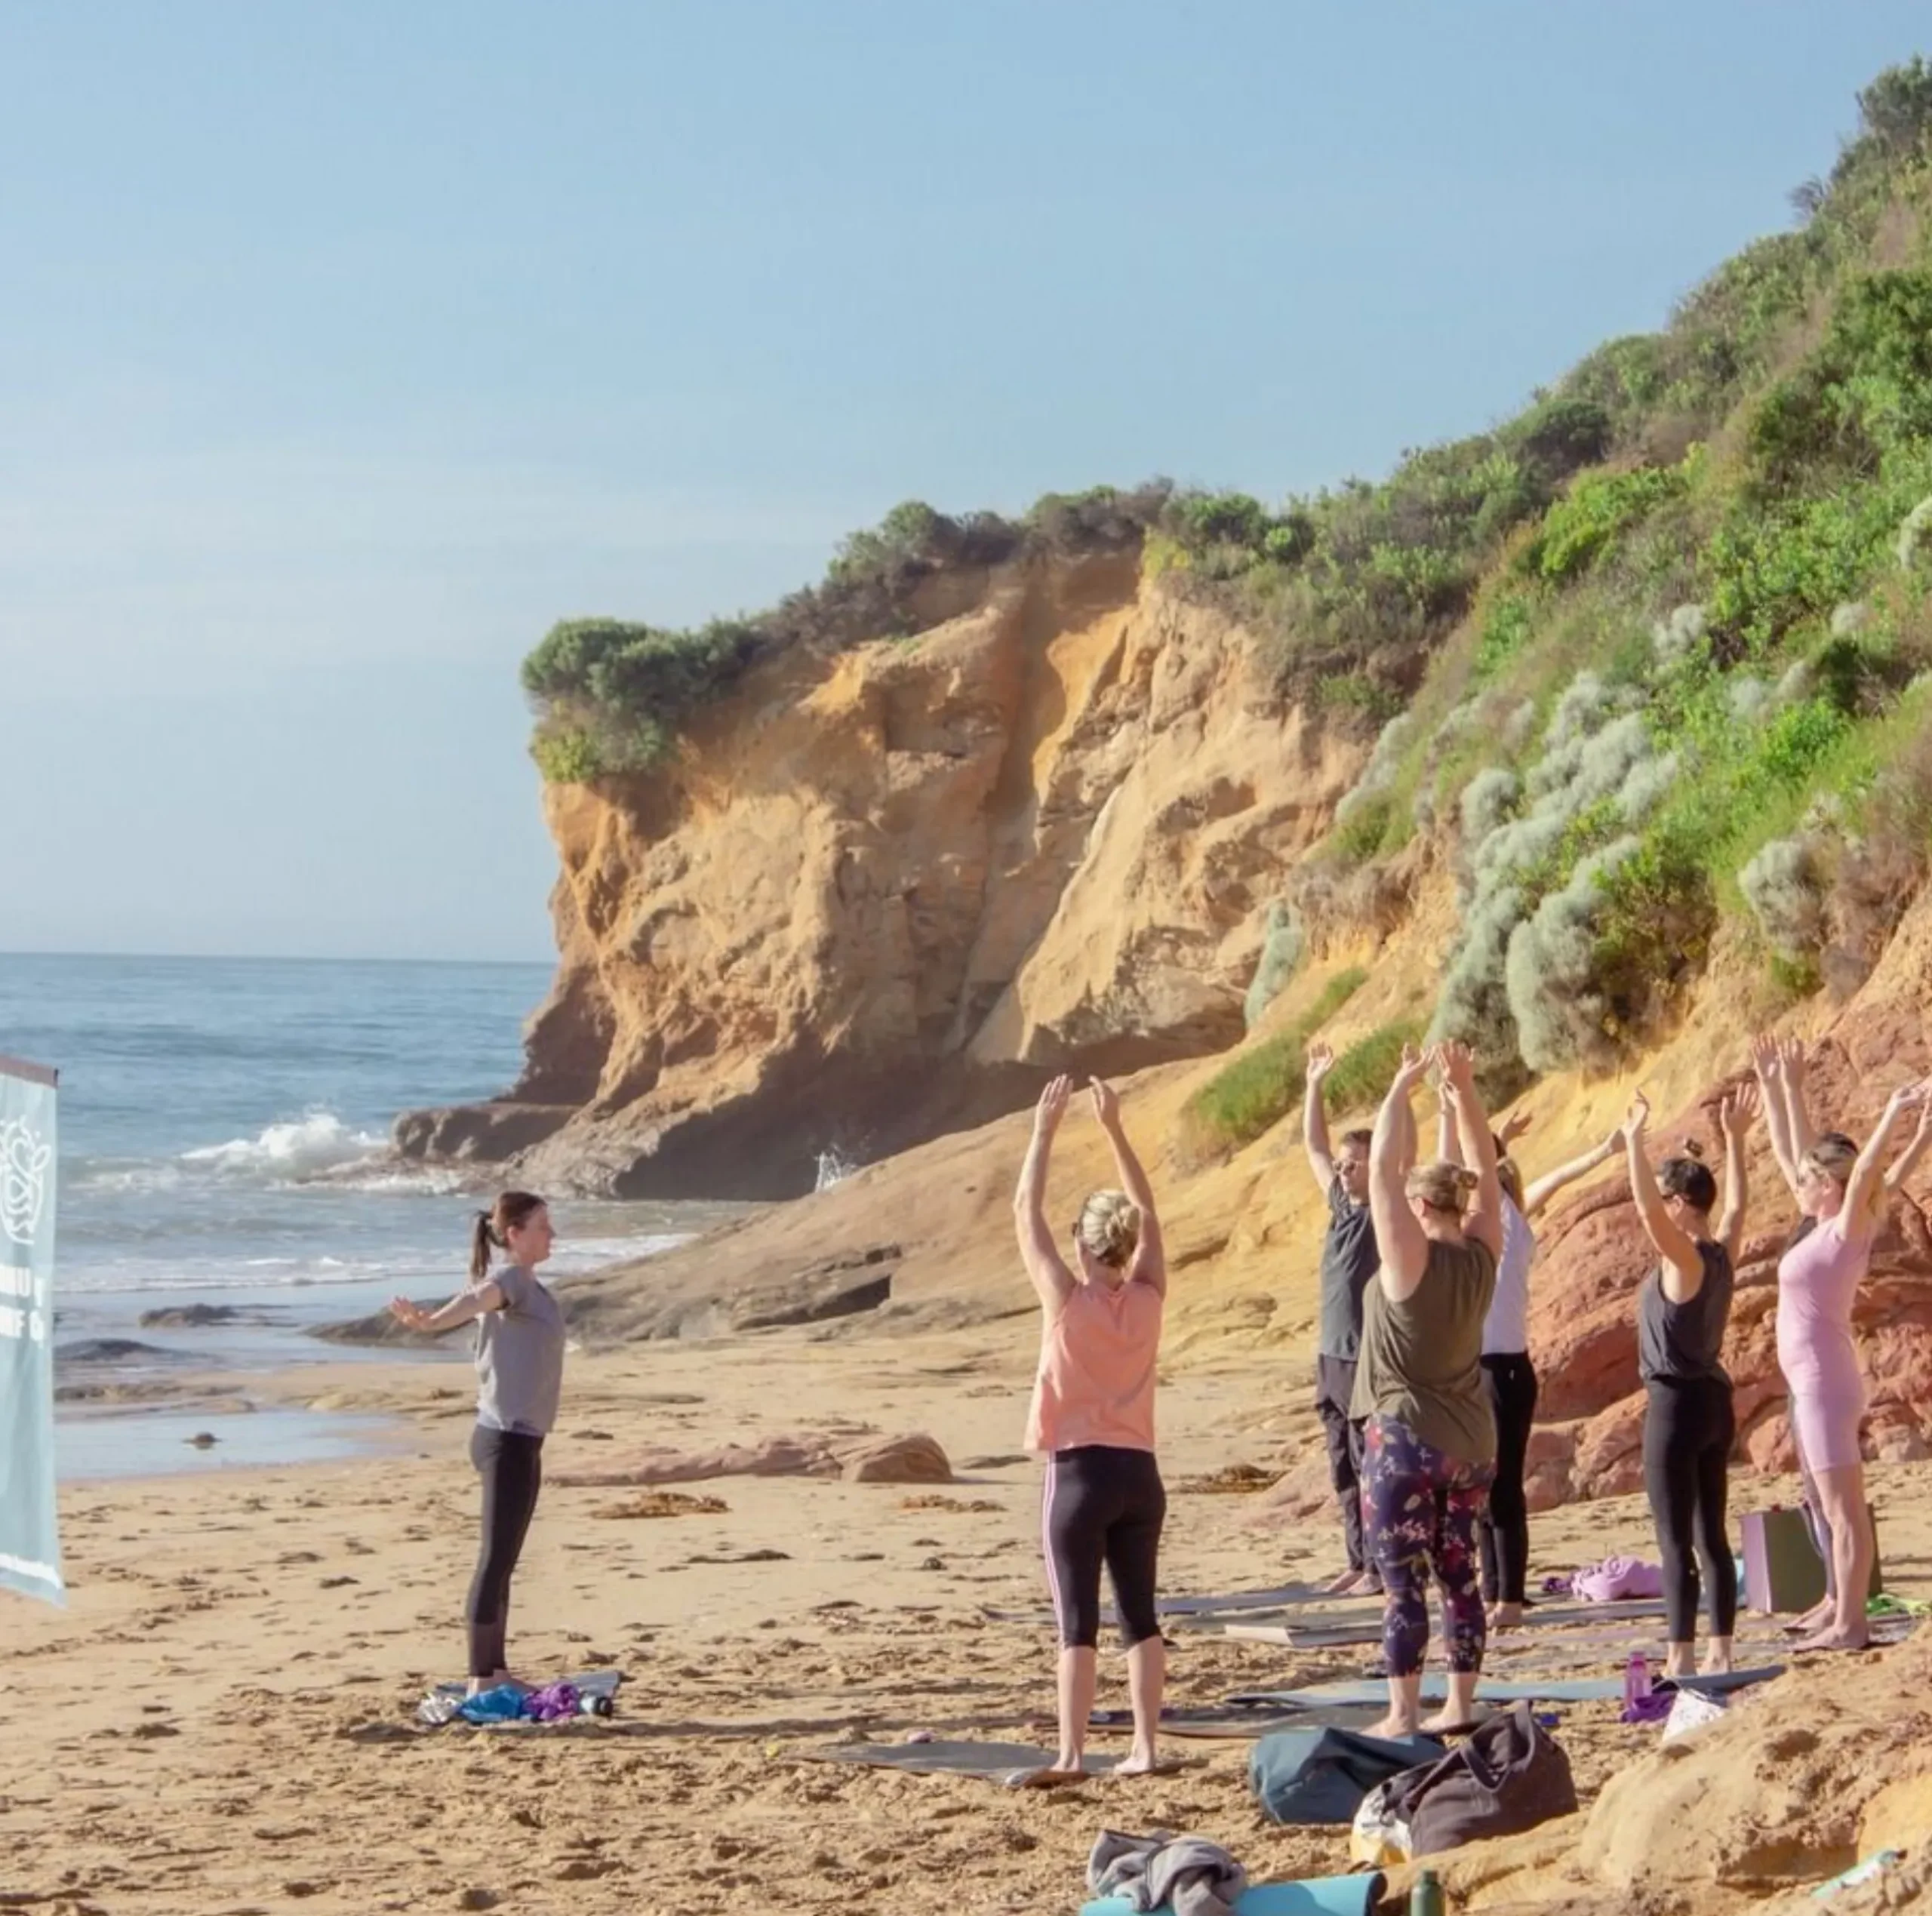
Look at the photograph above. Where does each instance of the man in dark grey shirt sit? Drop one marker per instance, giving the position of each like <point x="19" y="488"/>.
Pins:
<point x="1348" y="1261"/>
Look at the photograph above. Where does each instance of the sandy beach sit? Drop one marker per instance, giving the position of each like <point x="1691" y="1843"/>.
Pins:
<point x="223" y="1720"/>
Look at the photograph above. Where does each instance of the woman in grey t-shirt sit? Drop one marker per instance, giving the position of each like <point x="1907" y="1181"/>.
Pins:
<point x="520" y="1374"/>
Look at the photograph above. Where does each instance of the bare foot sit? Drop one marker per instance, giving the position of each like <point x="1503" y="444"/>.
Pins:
<point x="1342" y="1583"/>
<point x="1054" y="1779"/>
<point x="1069" y="1763"/>
<point x="1392" y="1729"/>
<point x="1137" y="1763"/>
<point x="502" y="1680"/>
<point x="1814" y="1618"/>
<point x="1835" y="1638"/>
<point x="1505" y="1616"/>
<point x="1449" y="1719"/>
<point x="1714" y="1663"/>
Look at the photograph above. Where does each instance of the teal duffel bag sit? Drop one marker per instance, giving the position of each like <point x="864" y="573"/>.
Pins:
<point x="1321" y="1776"/>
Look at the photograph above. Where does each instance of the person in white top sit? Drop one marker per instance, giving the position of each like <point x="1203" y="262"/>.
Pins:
<point x="1509" y="1375"/>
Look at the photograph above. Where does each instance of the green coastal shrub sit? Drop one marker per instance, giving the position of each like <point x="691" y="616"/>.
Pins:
<point x="1281" y="943"/>
<point x="611" y="695"/>
<point x="1248" y="1096"/>
<point x="1363" y="1073"/>
<point x="1596" y="513"/>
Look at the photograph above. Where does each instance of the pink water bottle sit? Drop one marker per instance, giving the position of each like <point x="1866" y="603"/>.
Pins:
<point x="1636" y="1681"/>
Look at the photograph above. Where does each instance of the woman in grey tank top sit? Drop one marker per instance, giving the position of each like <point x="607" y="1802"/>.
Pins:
<point x="519" y="1376"/>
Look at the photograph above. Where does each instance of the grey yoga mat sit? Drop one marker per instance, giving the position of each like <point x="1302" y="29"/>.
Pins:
<point x="1550" y="1689"/>
<point x="1329" y="1631"/>
<point x="1000" y="1763"/>
<point x="1239" y="1600"/>
<point x="1230" y="1603"/>
<point x="1213" y="1722"/>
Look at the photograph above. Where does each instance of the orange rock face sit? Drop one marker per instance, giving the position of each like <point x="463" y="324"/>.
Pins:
<point x="883" y="894"/>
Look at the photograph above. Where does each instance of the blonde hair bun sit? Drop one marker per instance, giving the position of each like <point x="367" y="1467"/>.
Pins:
<point x="1441" y="1185"/>
<point x="1109" y="1228"/>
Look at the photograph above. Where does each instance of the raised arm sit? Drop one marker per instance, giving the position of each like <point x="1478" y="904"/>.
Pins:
<point x="1546" y="1187"/>
<point x="1513" y="1127"/>
<point x="1902" y="1165"/>
<point x="1792" y="1067"/>
<point x="1767" y="1061"/>
<point x="1315" y="1119"/>
<point x="1399" y="1238"/>
<point x="465" y="1305"/>
<point x="1683" y="1267"/>
<point x="1865" y="1189"/>
<point x="1448" y="1133"/>
<point x="1736" y="1109"/>
<point x="1150" y="1255"/>
<point x="1053" y="1282"/>
<point x="1483" y="1220"/>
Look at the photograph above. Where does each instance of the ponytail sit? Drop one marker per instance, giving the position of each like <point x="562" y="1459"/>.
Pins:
<point x="491" y="1229"/>
<point x="482" y="1240"/>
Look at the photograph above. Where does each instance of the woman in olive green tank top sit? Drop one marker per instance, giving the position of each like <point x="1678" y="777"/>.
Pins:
<point x="1430" y="1448"/>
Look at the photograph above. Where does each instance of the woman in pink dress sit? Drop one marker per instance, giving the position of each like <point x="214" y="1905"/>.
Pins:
<point x="1841" y="1191"/>
<point x="1103" y="1504"/>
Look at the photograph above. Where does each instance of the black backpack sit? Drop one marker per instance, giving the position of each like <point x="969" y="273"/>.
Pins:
<point x="1508" y="1776"/>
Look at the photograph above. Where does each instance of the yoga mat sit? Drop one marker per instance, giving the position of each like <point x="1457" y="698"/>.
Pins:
<point x="1011" y="1764"/>
<point x="1538" y="1615"/>
<point x="1281" y="1594"/>
<point x="1548" y="1689"/>
<point x="1215" y="1604"/>
<point x="1290" y="1636"/>
<point x="1223" y="1722"/>
<point x="1336" y="1632"/>
<point x="1321" y="1895"/>
<point x="592" y="1682"/>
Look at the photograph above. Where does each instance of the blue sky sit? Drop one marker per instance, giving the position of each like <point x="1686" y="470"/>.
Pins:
<point x="343" y="349"/>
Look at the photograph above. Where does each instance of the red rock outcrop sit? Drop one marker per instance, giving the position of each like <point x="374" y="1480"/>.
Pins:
<point x="1592" y="1255"/>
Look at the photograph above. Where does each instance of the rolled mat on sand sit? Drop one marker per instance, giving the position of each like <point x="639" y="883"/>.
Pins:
<point x="1321" y="1896"/>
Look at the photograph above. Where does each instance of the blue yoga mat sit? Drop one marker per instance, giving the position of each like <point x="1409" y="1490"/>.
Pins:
<point x="589" y="1683"/>
<point x="1322" y="1895"/>
<point x="1546" y="1689"/>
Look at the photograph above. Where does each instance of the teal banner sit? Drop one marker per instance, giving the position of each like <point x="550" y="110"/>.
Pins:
<point x="29" y="1518"/>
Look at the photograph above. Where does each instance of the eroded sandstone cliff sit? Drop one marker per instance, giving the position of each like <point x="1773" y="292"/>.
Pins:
<point x="880" y="894"/>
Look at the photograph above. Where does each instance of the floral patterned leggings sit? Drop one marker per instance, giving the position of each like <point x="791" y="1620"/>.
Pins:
<point x="1420" y="1507"/>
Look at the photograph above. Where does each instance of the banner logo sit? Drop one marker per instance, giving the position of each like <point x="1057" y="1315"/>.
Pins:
<point x="23" y="1161"/>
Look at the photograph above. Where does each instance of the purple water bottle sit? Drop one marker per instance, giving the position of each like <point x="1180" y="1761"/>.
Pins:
<point x="1636" y="1681"/>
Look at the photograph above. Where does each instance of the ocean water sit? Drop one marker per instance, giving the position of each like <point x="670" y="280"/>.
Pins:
<point x="224" y="1139"/>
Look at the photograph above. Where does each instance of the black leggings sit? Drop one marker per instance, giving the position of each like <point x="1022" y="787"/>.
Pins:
<point x="1511" y="1381"/>
<point x="1102" y="1505"/>
<point x="512" y="1467"/>
<point x="1688" y="1430"/>
<point x="1334" y="1389"/>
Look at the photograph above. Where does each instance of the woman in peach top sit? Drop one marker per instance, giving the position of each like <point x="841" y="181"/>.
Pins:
<point x="1092" y="1417"/>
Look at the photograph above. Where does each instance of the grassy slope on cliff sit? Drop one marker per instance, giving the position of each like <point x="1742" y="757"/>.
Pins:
<point x="1651" y="659"/>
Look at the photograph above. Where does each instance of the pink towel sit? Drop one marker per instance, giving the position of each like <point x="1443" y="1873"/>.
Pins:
<point x="1616" y="1579"/>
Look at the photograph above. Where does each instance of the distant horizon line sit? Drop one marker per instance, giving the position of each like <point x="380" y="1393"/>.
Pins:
<point x="275" y="957"/>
